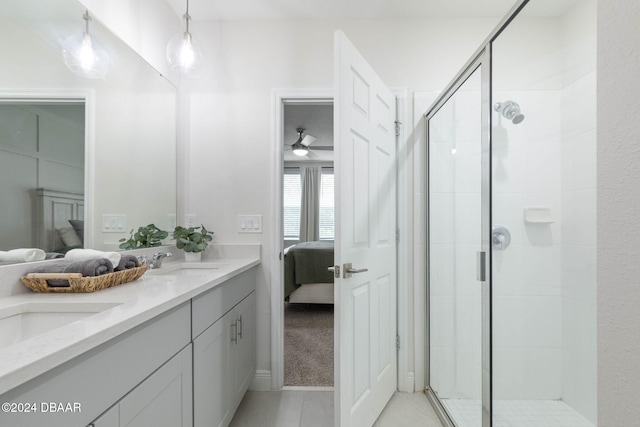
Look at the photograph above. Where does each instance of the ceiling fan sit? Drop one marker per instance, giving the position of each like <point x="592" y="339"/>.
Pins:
<point x="302" y="146"/>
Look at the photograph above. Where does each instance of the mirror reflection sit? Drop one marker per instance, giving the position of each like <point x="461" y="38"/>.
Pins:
<point x="82" y="161"/>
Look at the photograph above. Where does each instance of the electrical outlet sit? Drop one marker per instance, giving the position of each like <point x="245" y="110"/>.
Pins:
<point x="191" y="220"/>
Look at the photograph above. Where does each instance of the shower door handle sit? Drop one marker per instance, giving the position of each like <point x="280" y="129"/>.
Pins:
<point x="481" y="273"/>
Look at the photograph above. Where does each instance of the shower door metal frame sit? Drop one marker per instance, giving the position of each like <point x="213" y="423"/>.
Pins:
<point x="481" y="58"/>
<point x="482" y="61"/>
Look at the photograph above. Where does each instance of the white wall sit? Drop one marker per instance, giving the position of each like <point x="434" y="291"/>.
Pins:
<point x="230" y="162"/>
<point x="618" y="237"/>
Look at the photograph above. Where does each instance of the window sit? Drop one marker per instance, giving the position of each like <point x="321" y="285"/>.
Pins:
<point x="326" y="206"/>
<point x="292" y="196"/>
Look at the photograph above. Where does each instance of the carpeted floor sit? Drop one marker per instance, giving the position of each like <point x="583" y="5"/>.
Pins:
<point x="308" y="344"/>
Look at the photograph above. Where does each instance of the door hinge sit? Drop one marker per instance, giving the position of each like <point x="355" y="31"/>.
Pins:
<point x="398" y="124"/>
<point x="397" y="234"/>
<point x="397" y="342"/>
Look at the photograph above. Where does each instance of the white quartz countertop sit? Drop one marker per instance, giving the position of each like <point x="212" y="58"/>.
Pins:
<point x="136" y="302"/>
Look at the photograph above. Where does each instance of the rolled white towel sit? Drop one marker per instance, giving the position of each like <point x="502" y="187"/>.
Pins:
<point x="22" y="255"/>
<point x="88" y="254"/>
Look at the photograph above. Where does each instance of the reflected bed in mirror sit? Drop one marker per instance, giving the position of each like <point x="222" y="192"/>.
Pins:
<point x="105" y="148"/>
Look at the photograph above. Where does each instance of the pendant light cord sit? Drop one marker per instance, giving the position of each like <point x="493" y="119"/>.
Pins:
<point x="86" y="18"/>
<point x="187" y="16"/>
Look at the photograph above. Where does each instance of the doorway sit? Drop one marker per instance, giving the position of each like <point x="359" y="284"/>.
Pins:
<point x="281" y="144"/>
<point x="366" y="333"/>
<point x="307" y="241"/>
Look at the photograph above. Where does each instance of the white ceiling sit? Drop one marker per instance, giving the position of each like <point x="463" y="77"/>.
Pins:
<point x="357" y="9"/>
<point x="310" y="9"/>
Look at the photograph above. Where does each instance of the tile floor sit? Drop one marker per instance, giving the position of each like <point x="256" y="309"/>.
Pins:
<point x="517" y="413"/>
<point x="315" y="409"/>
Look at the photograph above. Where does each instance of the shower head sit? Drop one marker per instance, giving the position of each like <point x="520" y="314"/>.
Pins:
<point x="509" y="110"/>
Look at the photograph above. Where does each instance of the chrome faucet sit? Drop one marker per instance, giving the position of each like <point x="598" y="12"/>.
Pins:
<point x="156" y="261"/>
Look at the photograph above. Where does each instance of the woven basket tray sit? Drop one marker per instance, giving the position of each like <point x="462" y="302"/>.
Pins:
<point x="77" y="284"/>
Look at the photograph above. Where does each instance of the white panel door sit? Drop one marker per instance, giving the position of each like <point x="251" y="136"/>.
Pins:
<point x="365" y="221"/>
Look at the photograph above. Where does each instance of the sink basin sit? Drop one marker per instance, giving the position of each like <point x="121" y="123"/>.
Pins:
<point x="23" y="321"/>
<point x="186" y="268"/>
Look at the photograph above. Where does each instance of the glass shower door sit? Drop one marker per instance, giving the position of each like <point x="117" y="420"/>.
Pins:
<point x="543" y="157"/>
<point x="454" y="239"/>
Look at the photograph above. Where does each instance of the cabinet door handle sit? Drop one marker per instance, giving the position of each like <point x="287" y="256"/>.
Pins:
<point x="234" y="334"/>
<point x="240" y="327"/>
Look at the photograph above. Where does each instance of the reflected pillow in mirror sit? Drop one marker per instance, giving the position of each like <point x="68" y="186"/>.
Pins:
<point x="78" y="226"/>
<point x="69" y="236"/>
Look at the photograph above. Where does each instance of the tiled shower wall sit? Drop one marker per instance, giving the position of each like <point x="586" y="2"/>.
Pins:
<point x="579" y="322"/>
<point x="527" y="308"/>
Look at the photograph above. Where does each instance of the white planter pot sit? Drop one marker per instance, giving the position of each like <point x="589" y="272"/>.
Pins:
<point x="193" y="256"/>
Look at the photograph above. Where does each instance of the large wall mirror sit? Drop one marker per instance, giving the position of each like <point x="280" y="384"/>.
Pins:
<point x="79" y="157"/>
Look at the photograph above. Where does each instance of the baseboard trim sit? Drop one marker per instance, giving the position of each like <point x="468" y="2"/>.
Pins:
<point x="261" y="381"/>
<point x="411" y="382"/>
<point x="306" y="388"/>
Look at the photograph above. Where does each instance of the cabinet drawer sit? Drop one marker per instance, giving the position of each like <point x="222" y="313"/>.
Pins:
<point x="211" y="306"/>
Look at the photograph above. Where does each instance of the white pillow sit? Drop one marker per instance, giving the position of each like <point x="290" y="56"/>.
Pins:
<point x="69" y="236"/>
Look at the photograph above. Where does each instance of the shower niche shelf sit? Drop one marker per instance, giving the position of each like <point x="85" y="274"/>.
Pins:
<point x="538" y="215"/>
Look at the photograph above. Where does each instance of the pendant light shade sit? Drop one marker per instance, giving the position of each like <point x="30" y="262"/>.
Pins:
<point x="84" y="55"/>
<point x="184" y="53"/>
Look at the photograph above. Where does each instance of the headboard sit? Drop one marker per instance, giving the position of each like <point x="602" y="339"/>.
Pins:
<point x="54" y="209"/>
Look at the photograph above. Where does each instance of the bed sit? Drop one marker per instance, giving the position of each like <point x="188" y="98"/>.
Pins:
<point x="58" y="224"/>
<point x="306" y="278"/>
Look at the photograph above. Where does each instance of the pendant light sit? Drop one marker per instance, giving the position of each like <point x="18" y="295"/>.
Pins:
<point x="184" y="53"/>
<point x="83" y="55"/>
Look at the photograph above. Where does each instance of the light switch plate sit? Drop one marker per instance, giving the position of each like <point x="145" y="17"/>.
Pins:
<point x="250" y="223"/>
<point x="114" y="223"/>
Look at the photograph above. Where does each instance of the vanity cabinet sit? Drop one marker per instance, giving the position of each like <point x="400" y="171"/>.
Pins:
<point x="188" y="366"/>
<point x="224" y="354"/>
<point x="162" y="400"/>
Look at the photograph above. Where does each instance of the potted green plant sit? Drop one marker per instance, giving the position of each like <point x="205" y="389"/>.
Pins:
<point x="193" y="241"/>
<point x="146" y="237"/>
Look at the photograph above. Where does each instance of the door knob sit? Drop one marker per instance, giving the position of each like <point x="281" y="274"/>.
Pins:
<point x="335" y="269"/>
<point x="350" y="271"/>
